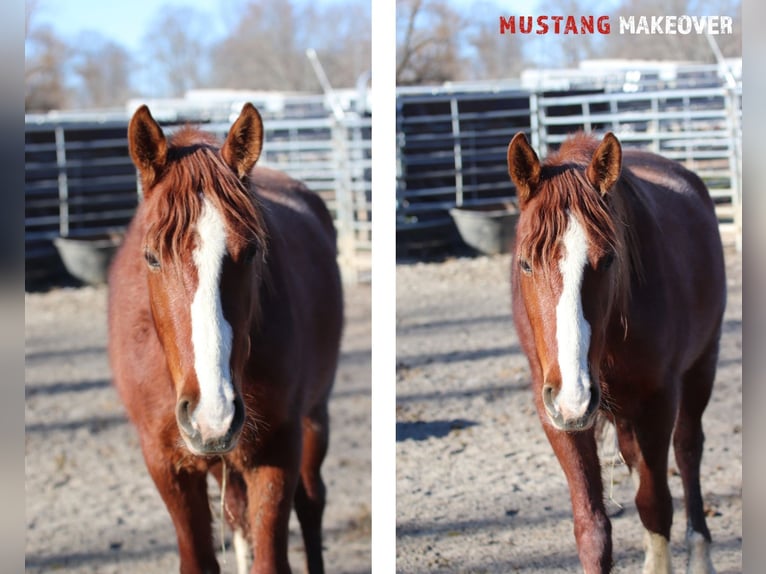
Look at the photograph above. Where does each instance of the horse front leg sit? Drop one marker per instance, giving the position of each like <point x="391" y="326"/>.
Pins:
<point x="578" y="456"/>
<point x="235" y="513"/>
<point x="652" y="432"/>
<point x="185" y="495"/>
<point x="310" y="495"/>
<point x="271" y="486"/>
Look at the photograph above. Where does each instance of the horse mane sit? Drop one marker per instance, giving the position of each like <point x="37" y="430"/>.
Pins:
<point x="195" y="170"/>
<point x="563" y="190"/>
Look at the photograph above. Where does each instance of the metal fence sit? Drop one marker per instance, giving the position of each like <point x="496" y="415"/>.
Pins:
<point x="80" y="181"/>
<point x="452" y="143"/>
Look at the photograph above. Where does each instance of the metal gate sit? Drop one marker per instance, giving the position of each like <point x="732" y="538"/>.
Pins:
<point x="452" y="142"/>
<point x="80" y="181"/>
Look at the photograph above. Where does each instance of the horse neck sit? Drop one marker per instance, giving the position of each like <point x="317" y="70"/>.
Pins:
<point x="631" y="214"/>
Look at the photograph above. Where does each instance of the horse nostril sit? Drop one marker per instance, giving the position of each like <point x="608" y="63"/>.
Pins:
<point x="549" y="395"/>
<point x="239" y="416"/>
<point x="595" y="398"/>
<point x="183" y="416"/>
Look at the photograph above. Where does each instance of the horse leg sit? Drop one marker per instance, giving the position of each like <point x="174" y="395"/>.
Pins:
<point x="656" y="546"/>
<point x="651" y="435"/>
<point x="310" y="493"/>
<point x="687" y="444"/>
<point x="578" y="456"/>
<point x="235" y="513"/>
<point x="185" y="495"/>
<point x="271" y="487"/>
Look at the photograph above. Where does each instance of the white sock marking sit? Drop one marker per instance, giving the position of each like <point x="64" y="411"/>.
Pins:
<point x="211" y="333"/>
<point x="657" y="559"/>
<point x="572" y="330"/>
<point x="241" y="551"/>
<point x="698" y="549"/>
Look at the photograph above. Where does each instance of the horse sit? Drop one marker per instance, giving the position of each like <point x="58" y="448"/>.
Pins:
<point x="618" y="294"/>
<point x="225" y="317"/>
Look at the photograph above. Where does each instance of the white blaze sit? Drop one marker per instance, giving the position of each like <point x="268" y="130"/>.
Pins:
<point x="572" y="330"/>
<point x="211" y="333"/>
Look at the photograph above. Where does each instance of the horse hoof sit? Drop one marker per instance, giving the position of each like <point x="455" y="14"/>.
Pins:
<point x="699" y="554"/>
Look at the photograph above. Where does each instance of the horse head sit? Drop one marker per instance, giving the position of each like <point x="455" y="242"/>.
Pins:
<point x="566" y="243"/>
<point x="203" y="248"/>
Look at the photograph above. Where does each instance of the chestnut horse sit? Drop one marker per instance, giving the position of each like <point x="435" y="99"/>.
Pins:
<point x="225" y="316"/>
<point x="618" y="295"/>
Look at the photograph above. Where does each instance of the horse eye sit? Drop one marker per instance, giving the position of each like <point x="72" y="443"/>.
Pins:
<point x="525" y="266"/>
<point x="606" y="261"/>
<point x="249" y="253"/>
<point x="152" y="260"/>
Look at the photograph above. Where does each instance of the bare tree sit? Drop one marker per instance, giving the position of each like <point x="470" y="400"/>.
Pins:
<point x="342" y="41"/>
<point x="685" y="47"/>
<point x="31" y="9"/>
<point x="428" y="42"/>
<point x="567" y="50"/>
<point x="104" y="71"/>
<point x="731" y="44"/>
<point x="261" y="51"/>
<point x="176" y="51"/>
<point x="266" y="47"/>
<point x="44" y="70"/>
<point x="44" y="55"/>
<point x="494" y="56"/>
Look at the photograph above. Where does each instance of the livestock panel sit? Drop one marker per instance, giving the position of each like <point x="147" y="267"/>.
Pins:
<point x="451" y="151"/>
<point x="80" y="181"/>
<point x="452" y="143"/>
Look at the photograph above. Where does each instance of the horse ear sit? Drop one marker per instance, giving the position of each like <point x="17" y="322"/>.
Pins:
<point x="604" y="169"/>
<point x="147" y="144"/>
<point x="243" y="144"/>
<point x="523" y="167"/>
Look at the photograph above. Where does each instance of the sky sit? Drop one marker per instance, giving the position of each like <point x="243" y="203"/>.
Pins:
<point x="122" y="22"/>
<point x="126" y="22"/>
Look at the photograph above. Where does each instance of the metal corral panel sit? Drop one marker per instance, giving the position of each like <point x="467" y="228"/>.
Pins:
<point x="81" y="182"/>
<point x="452" y="144"/>
<point x="699" y="128"/>
<point x="451" y="151"/>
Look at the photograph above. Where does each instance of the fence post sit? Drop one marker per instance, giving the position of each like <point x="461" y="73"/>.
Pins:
<point x="654" y="124"/>
<point x="587" y="124"/>
<point x="534" y="122"/>
<point x="344" y="202"/>
<point x="457" y="148"/>
<point x="735" y="161"/>
<point x="63" y="183"/>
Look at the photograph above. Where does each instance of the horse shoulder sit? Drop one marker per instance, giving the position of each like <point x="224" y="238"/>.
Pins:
<point x="302" y="296"/>
<point x="290" y="205"/>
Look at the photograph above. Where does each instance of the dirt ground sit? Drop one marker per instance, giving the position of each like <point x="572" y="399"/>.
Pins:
<point x="478" y="486"/>
<point x="90" y="504"/>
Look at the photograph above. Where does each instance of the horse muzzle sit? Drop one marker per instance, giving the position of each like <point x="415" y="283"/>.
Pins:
<point x="571" y="419"/>
<point x="204" y="440"/>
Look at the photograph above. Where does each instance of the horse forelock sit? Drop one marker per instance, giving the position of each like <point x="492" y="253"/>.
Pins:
<point x="196" y="171"/>
<point x="564" y="192"/>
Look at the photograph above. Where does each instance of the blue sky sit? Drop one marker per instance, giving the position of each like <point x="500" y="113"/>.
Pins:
<point x="122" y="22"/>
<point x="126" y="22"/>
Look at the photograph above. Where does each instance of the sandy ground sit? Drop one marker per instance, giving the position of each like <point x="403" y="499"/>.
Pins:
<point x="478" y="486"/>
<point x="90" y="504"/>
